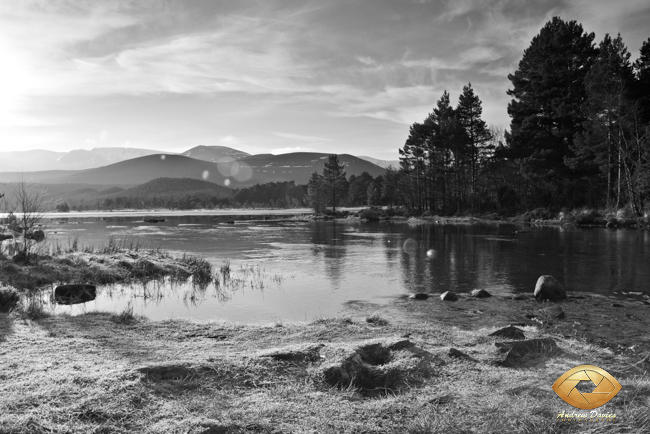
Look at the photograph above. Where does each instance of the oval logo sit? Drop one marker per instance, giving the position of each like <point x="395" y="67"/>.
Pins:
<point x="605" y="387"/>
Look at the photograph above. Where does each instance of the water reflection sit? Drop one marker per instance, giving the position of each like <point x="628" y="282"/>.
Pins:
<point x="298" y="270"/>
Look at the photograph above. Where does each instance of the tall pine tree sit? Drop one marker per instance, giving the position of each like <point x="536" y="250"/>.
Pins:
<point x="469" y="112"/>
<point x="548" y="92"/>
<point x="333" y="179"/>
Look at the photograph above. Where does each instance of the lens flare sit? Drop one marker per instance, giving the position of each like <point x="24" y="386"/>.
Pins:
<point x="410" y="246"/>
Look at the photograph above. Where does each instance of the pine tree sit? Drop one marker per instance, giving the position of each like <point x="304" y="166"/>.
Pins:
<point x="642" y="87"/>
<point x="333" y="179"/>
<point x="600" y="148"/>
<point x="548" y="92"/>
<point x="469" y="112"/>
<point x="315" y="196"/>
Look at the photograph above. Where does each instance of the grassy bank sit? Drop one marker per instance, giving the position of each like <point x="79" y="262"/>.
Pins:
<point x="123" y="261"/>
<point x="622" y="218"/>
<point x="101" y="373"/>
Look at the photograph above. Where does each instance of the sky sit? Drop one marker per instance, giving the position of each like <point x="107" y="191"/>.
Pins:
<point x="265" y="76"/>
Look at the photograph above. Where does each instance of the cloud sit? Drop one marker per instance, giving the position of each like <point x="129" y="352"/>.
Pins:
<point x="289" y="150"/>
<point x="229" y="141"/>
<point x="301" y="137"/>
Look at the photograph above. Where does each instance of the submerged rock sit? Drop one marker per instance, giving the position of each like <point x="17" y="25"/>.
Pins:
<point x="480" y="293"/>
<point x="510" y="332"/>
<point x="449" y="296"/>
<point x="74" y="294"/>
<point x="548" y="288"/>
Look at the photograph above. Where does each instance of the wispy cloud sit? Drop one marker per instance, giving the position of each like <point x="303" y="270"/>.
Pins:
<point x="172" y="74"/>
<point x="301" y="137"/>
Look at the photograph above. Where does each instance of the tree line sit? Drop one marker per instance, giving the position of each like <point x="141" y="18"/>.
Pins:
<point x="579" y="135"/>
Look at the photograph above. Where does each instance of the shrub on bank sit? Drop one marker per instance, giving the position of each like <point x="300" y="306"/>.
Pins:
<point x="369" y="214"/>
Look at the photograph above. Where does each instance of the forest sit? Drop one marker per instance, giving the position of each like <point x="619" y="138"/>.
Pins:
<point x="578" y="137"/>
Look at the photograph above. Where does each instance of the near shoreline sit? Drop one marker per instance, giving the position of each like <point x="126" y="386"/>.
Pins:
<point x="101" y="372"/>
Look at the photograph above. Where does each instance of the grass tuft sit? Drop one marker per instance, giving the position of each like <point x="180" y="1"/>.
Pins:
<point x="376" y="319"/>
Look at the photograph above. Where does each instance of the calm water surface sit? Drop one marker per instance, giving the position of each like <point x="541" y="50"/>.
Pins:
<point x="296" y="271"/>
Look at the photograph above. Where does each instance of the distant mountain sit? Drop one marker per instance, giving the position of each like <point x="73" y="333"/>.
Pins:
<point x="78" y="159"/>
<point x="381" y="163"/>
<point x="98" y="157"/>
<point x="214" y="154"/>
<point x="247" y="171"/>
<point x="137" y="171"/>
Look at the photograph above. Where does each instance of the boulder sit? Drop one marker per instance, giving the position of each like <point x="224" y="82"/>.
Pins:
<point x="449" y="296"/>
<point x="480" y="293"/>
<point x="548" y="288"/>
<point x="510" y="332"/>
<point x="419" y="296"/>
<point x="74" y="294"/>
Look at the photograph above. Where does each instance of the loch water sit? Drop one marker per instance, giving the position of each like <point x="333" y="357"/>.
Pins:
<point x="296" y="270"/>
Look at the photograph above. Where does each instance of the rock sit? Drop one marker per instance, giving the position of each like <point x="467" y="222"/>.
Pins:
<point x="449" y="296"/>
<point x="548" y="288"/>
<point x="453" y="352"/>
<point x="616" y="305"/>
<point x="555" y="312"/>
<point x="480" y="293"/>
<point x="519" y="349"/>
<point x="510" y="332"/>
<point x="419" y="296"/>
<point x="74" y="294"/>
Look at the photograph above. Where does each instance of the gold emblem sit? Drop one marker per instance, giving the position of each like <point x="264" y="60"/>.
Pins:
<point x="605" y="387"/>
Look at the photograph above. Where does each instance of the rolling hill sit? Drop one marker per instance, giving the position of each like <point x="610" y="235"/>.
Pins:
<point x="247" y="171"/>
<point x="144" y="169"/>
<point x="174" y="186"/>
<point x="382" y="163"/>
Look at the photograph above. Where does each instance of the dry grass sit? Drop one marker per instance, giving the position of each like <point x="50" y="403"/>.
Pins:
<point x="115" y="265"/>
<point x="97" y="373"/>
